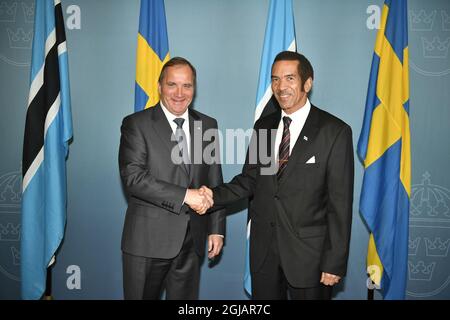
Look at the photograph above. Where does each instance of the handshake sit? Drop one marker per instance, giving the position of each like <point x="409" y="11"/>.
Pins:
<point x="200" y="200"/>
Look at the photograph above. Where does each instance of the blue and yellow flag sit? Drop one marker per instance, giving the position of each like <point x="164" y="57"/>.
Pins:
<point x="48" y="129"/>
<point x="384" y="149"/>
<point x="152" y="53"/>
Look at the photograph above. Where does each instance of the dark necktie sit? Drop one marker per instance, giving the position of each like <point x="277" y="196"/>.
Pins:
<point x="182" y="142"/>
<point x="283" y="153"/>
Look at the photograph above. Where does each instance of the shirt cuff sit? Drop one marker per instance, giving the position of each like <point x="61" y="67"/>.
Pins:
<point x="185" y="195"/>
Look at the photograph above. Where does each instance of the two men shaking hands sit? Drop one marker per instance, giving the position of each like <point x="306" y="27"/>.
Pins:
<point x="200" y="200"/>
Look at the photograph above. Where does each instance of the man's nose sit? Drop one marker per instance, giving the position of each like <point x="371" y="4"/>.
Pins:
<point x="282" y="84"/>
<point x="179" y="91"/>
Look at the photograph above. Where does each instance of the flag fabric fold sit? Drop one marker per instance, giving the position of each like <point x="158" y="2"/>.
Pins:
<point x="151" y="54"/>
<point x="48" y="129"/>
<point x="279" y="36"/>
<point x="384" y="150"/>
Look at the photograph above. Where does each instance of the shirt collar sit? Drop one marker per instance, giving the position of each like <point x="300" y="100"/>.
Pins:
<point x="301" y="113"/>
<point x="170" y="116"/>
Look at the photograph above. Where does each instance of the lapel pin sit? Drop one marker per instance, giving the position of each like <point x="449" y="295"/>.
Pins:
<point x="305" y="138"/>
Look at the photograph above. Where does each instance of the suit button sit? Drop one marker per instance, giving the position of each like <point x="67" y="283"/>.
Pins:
<point x="277" y="198"/>
<point x="272" y="224"/>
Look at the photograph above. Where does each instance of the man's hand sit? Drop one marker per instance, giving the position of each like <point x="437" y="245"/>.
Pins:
<point x="215" y="244"/>
<point x="198" y="201"/>
<point x="204" y="190"/>
<point x="208" y="194"/>
<point x="329" y="279"/>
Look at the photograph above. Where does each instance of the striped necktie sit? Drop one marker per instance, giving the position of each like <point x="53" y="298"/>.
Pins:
<point x="283" y="153"/>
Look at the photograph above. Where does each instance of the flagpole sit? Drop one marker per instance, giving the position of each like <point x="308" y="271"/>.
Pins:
<point x="48" y="285"/>
<point x="370" y="294"/>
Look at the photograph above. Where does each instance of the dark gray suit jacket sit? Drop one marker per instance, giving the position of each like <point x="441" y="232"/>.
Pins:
<point x="156" y="221"/>
<point x="308" y="212"/>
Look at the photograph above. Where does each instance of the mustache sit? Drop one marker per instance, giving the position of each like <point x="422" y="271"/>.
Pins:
<point x="280" y="92"/>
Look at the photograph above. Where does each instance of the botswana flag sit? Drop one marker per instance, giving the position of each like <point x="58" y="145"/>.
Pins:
<point x="48" y="129"/>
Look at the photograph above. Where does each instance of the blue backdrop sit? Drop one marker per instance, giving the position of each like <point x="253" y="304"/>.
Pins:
<point x="223" y="39"/>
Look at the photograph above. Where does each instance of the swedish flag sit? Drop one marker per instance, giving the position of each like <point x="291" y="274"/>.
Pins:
<point x="384" y="149"/>
<point x="152" y="52"/>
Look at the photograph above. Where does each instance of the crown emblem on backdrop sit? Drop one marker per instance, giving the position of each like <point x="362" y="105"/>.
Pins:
<point x="420" y="270"/>
<point x="10" y="192"/>
<point x="437" y="248"/>
<point x="429" y="241"/>
<point x="8" y="12"/>
<point x="28" y="12"/>
<point x="10" y="224"/>
<point x="9" y="232"/>
<point x="20" y="39"/>
<point x="10" y="195"/>
<point x="430" y="202"/>
<point x="421" y="20"/>
<point x="413" y="246"/>
<point x="435" y="48"/>
<point x="430" y="39"/>
<point x="16" y="24"/>
<point x="15" y="256"/>
<point x="445" y="21"/>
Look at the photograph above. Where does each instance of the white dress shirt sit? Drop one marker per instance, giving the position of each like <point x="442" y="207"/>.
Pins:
<point x="170" y="117"/>
<point x="298" y="121"/>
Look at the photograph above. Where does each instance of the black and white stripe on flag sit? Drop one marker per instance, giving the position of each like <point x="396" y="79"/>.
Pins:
<point x="44" y="93"/>
<point x="48" y="129"/>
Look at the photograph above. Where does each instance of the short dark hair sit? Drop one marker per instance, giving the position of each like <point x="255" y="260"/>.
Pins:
<point x="177" y="61"/>
<point x="305" y="69"/>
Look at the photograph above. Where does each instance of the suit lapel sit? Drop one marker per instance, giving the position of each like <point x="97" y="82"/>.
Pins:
<point x="305" y="138"/>
<point x="271" y="127"/>
<point x="273" y="121"/>
<point x="196" y="134"/>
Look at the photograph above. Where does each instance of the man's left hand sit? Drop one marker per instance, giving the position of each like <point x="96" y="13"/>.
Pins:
<point x="215" y="244"/>
<point x="329" y="279"/>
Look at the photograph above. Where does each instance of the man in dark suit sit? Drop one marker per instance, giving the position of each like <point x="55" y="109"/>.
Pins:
<point x="160" y="160"/>
<point x="301" y="210"/>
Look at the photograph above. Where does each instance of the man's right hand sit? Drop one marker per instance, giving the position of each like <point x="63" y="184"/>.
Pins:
<point x="198" y="200"/>
<point x="208" y="192"/>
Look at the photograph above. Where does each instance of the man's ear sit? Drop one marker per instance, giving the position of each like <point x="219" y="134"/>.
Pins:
<point x="307" y="86"/>
<point x="159" y="88"/>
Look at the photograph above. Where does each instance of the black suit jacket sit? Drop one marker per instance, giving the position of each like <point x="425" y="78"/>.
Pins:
<point x="156" y="220"/>
<point x="308" y="212"/>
